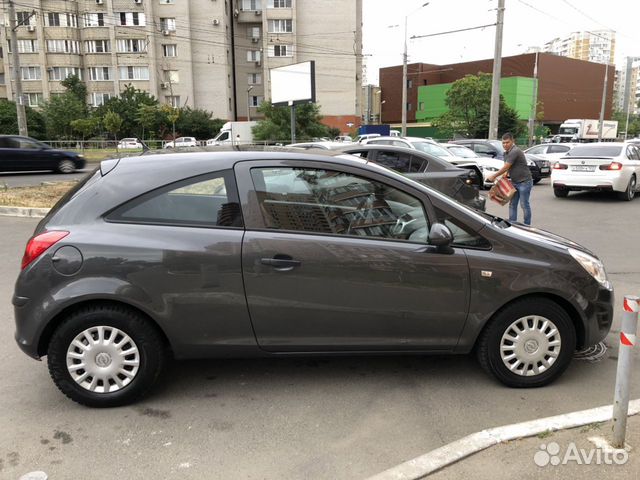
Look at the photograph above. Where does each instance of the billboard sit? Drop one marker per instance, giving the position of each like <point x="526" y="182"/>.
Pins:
<point x="293" y="84"/>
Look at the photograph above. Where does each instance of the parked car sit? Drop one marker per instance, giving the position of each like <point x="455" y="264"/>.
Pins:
<point x="323" y="145"/>
<point x="366" y="136"/>
<point x="461" y="184"/>
<point x="484" y="148"/>
<point x="129" y="143"/>
<point x="343" y="138"/>
<point x="550" y="151"/>
<point x="488" y="166"/>
<point x="244" y="253"/>
<point x="18" y="153"/>
<point x="182" y="142"/>
<point x="603" y="166"/>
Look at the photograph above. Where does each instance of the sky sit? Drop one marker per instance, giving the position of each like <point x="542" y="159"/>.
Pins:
<point x="527" y="23"/>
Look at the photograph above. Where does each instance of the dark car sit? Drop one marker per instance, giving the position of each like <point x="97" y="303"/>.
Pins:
<point x="244" y="253"/>
<point x="540" y="167"/>
<point x="462" y="184"/>
<point x="484" y="148"/>
<point x="19" y="153"/>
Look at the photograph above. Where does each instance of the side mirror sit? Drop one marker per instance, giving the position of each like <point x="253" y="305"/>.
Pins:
<point x="440" y="235"/>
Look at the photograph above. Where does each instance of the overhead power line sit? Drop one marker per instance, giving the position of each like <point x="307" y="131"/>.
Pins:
<point x="453" y="31"/>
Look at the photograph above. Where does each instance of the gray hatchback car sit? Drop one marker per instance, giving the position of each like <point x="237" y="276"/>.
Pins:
<point x="245" y="253"/>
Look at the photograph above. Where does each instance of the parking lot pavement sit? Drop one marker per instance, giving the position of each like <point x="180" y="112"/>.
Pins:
<point x="338" y="418"/>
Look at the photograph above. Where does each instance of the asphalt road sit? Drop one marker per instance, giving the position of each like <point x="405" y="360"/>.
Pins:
<point x="339" y="418"/>
<point x="27" y="179"/>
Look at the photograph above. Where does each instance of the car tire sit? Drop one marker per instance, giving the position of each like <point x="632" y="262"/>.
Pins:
<point x="105" y="356"/>
<point x="536" y="181"/>
<point x="560" y="192"/>
<point x="527" y="335"/>
<point x="630" y="192"/>
<point x="66" y="166"/>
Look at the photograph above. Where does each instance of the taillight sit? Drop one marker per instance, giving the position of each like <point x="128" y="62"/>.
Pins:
<point x="39" y="244"/>
<point x="611" y="166"/>
<point x="560" y="166"/>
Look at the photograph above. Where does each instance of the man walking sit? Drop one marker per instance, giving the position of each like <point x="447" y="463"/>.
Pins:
<point x="516" y="164"/>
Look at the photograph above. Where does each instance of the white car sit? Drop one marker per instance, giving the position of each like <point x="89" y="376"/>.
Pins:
<point x="603" y="166"/>
<point x="366" y="136"/>
<point x="550" y="151"/>
<point x="488" y="166"/>
<point x="182" y="142"/>
<point x="129" y="144"/>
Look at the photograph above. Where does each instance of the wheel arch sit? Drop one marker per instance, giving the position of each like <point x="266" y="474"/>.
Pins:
<point x="53" y="324"/>
<point x="568" y="307"/>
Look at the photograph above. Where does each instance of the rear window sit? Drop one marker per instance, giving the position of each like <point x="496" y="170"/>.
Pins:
<point x="595" y="151"/>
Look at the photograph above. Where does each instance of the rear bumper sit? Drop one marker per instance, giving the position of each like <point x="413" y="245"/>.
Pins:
<point x="591" y="181"/>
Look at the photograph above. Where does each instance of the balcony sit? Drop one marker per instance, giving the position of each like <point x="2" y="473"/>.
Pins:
<point x="249" y="16"/>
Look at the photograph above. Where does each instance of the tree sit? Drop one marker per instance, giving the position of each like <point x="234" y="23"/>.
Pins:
<point x="9" y="120"/>
<point x="59" y="112"/>
<point x="113" y="123"/>
<point x="469" y="103"/>
<point x="86" y="127"/>
<point x="276" y="126"/>
<point x="149" y="117"/>
<point x="197" y="123"/>
<point x="77" y="88"/>
<point x="126" y="106"/>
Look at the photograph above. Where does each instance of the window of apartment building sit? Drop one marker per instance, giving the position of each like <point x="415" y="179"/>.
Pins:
<point x="255" y="100"/>
<point x="280" y="50"/>
<point x="280" y="26"/>
<point x="131" y="19"/>
<point x="171" y="76"/>
<point x="1" y="53"/>
<point x="131" y="45"/>
<point x="254" y="79"/>
<point x="61" y="20"/>
<point x="30" y="73"/>
<point x="60" y="73"/>
<point x="168" y="24"/>
<point x="63" y="46"/>
<point x="170" y="50"/>
<point x="251" y="5"/>
<point x="253" y="32"/>
<point x="93" y="19"/>
<point x="173" y="100"/>
<point x="253" y="56"/>
<point x="279" y="4"/>
<point x="134" y="73"/>
<point x="27" y="46"/>
<point x="2" y="78"/>
<point x="98" y="74"/>
<point x="97" y="46"/>
<point x="99" y="98"/>
<point x="34" y="99"/>
<point x="25" y="18"/>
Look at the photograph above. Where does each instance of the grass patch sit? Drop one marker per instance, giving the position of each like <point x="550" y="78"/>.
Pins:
<point x="41" y="196"/>
<point x="591" y="426"/>
<point x="545" y="434"/>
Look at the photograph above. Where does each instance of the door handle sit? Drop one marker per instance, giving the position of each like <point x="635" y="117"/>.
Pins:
<point x="282" y="263"/>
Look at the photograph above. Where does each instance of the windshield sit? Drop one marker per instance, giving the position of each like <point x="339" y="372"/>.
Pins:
<point x="463" y="152"/>
<point x="595" y="151"/>
<point x="568" y="130"/>
<point x="432" y="149"/>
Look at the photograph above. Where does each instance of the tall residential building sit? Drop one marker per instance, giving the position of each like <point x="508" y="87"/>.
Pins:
<point x="210" y="54"/>
<point x="593" y="46"/>
<point x="634" y="86"/>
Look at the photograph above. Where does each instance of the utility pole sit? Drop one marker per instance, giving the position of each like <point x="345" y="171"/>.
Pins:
<point x="404" y="82"/>
<point x="497" y="69"/>
<point x="627" y="92"/>
<point x="534" y="102"/>
<point x="604" y="101"/>
<point x="20" y="110"/>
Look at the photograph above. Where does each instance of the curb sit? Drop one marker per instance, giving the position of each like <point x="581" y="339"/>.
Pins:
<point x="439" y="458"/>
<point x="23" y="212"/>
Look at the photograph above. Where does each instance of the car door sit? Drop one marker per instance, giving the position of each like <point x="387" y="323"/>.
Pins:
<point x="10" y="154"/>
<point x="330" y="262"/>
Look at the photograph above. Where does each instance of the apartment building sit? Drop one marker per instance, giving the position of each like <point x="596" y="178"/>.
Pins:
<point x="633" y="71"/>
<point x="592" y="46"/>
<point x="210" y="54"/>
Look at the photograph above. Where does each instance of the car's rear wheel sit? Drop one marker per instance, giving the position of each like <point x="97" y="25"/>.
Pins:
<point x="105" y="356"/>
<point x="560" y="192"/>
<point x="527" y="344"/>
<point x="66" y="166"/>
<point x="630" y="192"/>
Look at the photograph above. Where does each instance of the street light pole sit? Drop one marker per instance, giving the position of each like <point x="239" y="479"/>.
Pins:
<point x="497" y="70"/>
<point x="404" y="82"/>
<point x="249" y="103"/>
<point x="18" y="96"/>
<point x="604" y="101"/>
<point x="534" y="101"/>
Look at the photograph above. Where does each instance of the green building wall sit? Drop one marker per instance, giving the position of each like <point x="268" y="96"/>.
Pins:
<point x="517" y="93"/>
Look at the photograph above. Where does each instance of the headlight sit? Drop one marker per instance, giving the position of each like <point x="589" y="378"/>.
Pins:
<point x="80" y="156"/>
<point x="592" y="265"/>
<point x="490" y="169"/>
<point x="531" y="163"/>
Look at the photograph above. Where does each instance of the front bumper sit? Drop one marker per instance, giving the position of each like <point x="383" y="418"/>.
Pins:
<point x="598" y="317"/>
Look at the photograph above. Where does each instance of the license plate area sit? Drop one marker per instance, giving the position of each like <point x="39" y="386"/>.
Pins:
<point x="583" y="168"/>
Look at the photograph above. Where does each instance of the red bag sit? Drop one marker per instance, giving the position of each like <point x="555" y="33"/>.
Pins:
<point x="502" y="191"/>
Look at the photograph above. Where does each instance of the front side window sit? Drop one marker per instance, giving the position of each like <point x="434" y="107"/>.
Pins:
<point x="209" y="201"/>
<point x="558" y="149"/>
<point x="463" y="236"/>
<point x="336" y="203"/>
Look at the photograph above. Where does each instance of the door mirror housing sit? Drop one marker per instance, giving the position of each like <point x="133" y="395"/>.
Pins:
<point x="440" y="235"/>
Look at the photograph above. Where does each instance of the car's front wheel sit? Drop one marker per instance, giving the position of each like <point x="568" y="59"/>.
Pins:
<point x="105" y="356"/>
<point x="527" y="344"/>
<point x="66" y="166"/>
